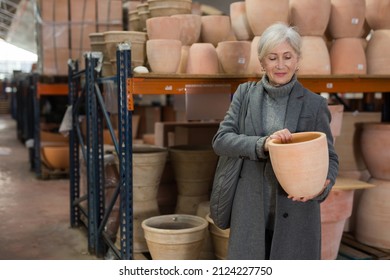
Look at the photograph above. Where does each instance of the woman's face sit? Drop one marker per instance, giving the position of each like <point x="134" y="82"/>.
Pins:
<point x="280" y="64"/>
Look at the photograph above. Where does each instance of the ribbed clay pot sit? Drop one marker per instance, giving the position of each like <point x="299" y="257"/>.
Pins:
<point x="202" y="59"/>
<point x="234" y="56"/>
<point x="373" y="215"/>
<point x="263" y="13"/>
<point x="175" y="237"/>
<point x="335" y="210"/>
<point x="254" y="66"/>
<point x="190" y="27"/>
<point x="347" y="56"/>
<point x="307" y="22"/>
<point x="163" y="55"/>
<point x="306" y="157"/>
<point x="378" y="57"/>
<point x="377" y="14"/>
<point x="219" y="238"/>
<point x="315" y="58"/>
<point x="215" y="29"/>
<point x="160" y="8"/>
<point x="347" y="18"/>
<point x="375" y="147"/>
<point x="194" y="168"/>
<point x="239" y="19"/>
<point x="163" y="28"/>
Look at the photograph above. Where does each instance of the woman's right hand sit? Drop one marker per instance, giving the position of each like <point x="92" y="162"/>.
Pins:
<point x="283" y="135"/>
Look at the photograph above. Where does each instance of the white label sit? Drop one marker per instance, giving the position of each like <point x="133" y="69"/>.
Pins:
<point x="355" y="21"/>
<point x="168" y="88"/>
<point x="360" y="67"/>
<point x="329" y="85"/>
<point x="241" y="60"/>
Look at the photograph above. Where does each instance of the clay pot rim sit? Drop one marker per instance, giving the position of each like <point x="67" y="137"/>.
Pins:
<point x="147" y="224"/>
<point x="316" y="136"/>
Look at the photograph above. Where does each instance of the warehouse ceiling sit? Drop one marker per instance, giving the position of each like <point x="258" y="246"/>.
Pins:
<point x="8" y="10"/>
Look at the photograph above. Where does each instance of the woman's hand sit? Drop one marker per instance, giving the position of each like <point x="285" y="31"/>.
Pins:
<point x="306" y="198"/>
<point x="283" y="135"/>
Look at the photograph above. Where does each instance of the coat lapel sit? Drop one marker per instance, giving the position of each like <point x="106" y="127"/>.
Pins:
<point x="294" y="107"/>
<point x="255" y="115"/>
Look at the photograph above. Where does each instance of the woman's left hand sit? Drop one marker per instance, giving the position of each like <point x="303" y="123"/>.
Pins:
<point x="306" y="198"/>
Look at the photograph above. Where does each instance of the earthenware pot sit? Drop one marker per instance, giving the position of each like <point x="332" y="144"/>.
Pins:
<point x="377" y="14"/>
<point x="175" y="237"/>
<point x="239" y="19"/>
<point x="202" y="59"/>
<point x="315" y="58"/>
<point x="215" y="28"/>
<point x="163" y="55"/>
<point x="378" y="58"/>
<point x="234" y="56"/>
<point x="306" y="157"/>
<point x="347" y="56"/>
<point x="190" y="27"/>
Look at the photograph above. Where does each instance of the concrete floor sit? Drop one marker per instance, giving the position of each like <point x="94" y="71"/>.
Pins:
<point x="34" y="213"/>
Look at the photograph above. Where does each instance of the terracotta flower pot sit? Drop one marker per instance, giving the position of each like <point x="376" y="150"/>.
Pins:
<point x="347" y="56"/>
<point x="234" y="56"/>
<point x="263" y="13"/>
<point x="202" y="59"/>
<point x="56" y="156"/>
<point x="335" y="210"/>
<point x="336" y="112"/>
<point x="163" y="55"/>
<point x="347" y="18"/>
<point x="377" y="14"/>
<point x="239" y="20"/>
<point x="215" y="29"/>
<point x="373" y="215"/>
<point x="306" y="157"/>
<point x="160" y="8"/>
<point x="254" y="66"/>
<point x="163" y="28"/>
<point x="175" y="237"/>
<point x="378" y="58"/>
<point x="315" y="58"/>
<point x="374" y="144"/>
<point x="307" y="22"/>
<point x="219" y="238"/>
<point x="194" y="168"/>
<point x="190" y="27"/>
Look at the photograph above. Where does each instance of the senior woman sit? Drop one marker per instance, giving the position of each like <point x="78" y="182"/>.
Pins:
<point x="267" y="223"/>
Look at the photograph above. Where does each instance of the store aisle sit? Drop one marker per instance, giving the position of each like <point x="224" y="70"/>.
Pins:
<point x="34" y="214"/>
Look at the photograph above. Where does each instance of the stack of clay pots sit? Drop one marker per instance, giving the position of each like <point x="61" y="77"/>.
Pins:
<point x="315" y="59"/>
<point x="348" y="31"/>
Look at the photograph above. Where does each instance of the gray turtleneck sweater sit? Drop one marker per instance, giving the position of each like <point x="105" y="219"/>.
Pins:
<point x="274" y="109"/>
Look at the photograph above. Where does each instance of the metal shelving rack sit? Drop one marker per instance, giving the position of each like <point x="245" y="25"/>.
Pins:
<point x="93" y="152"/>
<point x="128" y="85"/>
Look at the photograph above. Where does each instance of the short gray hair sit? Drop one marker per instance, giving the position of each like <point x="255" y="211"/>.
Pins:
<point x="276" y="34"/>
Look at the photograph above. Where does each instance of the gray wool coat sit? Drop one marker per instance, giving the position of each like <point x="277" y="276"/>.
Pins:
<point x="297" y="229"/>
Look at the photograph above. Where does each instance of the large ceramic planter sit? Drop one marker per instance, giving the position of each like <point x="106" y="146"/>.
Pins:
<point x="377" y="14"/>
<point x="234" y="56"/>
<point x="347" y="56"/>
<point x="373" y="215"/>
<point x="190" y="27"/>
<point x="263" y="13"/>
<point x="194" y="168"/>
<point x="315" y="56"/>
<point x="335" y="211"/>
<point x="160" y="8"/>
<point x="378" y="58"/>
<point x="220" y="239"/>
<point x="375" y="143"/>
<point x="347" y="18"/>
<point x="301" y="166"/>
<point x="207" y="252"/>
<point x="239" y="19"/>
<point x="215" y="29"/>
<point x="175" y="237"/>
<point x="307" y="22"/>
<point x="202" y="59"/>
<point x="254" y="66"/>
<point x="163" y="55"/>
<point x="163" y="28"/>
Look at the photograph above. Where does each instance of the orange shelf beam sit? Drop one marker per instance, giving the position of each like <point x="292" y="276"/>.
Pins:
<point x="52" y="89"/>
<point x="176" y="83"/>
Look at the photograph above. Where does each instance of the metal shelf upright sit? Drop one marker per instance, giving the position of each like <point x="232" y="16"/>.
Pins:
<point x="97" y="213"/>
